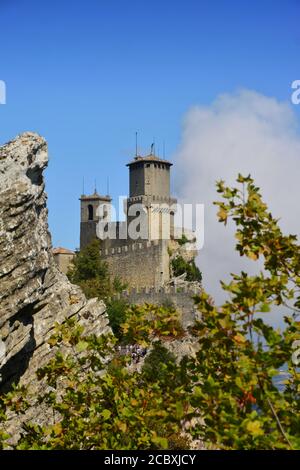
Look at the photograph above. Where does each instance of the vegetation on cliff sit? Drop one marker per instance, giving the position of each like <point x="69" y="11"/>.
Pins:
<point x="100" y="401"/>
<point x="181" y="266"/>
<point x="90" y="272"/>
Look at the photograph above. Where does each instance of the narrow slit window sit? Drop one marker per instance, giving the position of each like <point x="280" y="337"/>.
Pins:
<point x="91" y="212"/>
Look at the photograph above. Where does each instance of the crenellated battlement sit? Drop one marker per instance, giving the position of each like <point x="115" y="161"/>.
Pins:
<point x="169" y="290"/>
<point x="131" y="247"/>
<point x="181" y="297"/>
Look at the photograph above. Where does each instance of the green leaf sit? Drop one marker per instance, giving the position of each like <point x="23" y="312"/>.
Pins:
<point x="106" y="414"/>
<point x="82" y="345"/>
<point x="161" y="442"/>
<point x="264" y="308"/>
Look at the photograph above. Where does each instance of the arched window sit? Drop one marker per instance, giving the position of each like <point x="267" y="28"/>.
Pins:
<point x="91" y="212"/>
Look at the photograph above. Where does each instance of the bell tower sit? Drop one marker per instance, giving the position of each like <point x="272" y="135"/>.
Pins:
<point x="90" y="214"/>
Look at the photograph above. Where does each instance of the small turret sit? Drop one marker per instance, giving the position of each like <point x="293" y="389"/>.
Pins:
<point x="90" y="215"/>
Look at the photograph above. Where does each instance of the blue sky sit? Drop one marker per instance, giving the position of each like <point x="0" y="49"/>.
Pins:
<point x="88" y="74"/>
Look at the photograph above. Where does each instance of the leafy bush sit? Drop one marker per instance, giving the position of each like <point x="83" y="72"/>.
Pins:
<point x="228" y="386"/>
<point x="240" y="355"/>
<point x="90" y="272"/>
<point x="157" y="363"/>
<point x="183" y="240"/>
<point x="116" y="311"/>
<point x="181" y="266"/>
<point x="145" y="322"/>
<point x="101" y="407"/>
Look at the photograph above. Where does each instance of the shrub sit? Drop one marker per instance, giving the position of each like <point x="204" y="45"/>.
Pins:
<point x="181" y="266"/>
<point x="183" y="240"/>
<point x="116" y="311"/>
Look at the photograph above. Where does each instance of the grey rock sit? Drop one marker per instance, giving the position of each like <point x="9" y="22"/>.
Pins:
<point x="34" y="294"/>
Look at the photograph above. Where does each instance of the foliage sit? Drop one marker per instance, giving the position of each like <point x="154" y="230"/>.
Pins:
<point x="183" y="240"/>
<point x="160" y="363"/>
<point x="140" y="324"/>
<point x="145" y="322"/>
<point x="116" y="311"/>
<point x="87" y="263"/>
<point x="91" y="273"/>
<point x="99" y="400"/>
<point x="240" y="355"/>
<point x="181" y="266"/>
<point x="15" y="402"/>
<point x="179" y="441"/>
<point x="101" y="406"/>
<point x="157" y="363"/>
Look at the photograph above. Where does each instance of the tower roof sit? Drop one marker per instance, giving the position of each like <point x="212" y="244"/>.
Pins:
<point x="62" y="251"/>
<point x="95" y="196"/>
<point x="148" y="158"/>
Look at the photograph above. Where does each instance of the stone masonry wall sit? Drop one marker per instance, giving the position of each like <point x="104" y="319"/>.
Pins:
<point x="139" y="264"/>
<point x="180" y="297"/>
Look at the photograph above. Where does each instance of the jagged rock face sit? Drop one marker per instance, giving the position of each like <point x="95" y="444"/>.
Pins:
<point x="33" y="293"/>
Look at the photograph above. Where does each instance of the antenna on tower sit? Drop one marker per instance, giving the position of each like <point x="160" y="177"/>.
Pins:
<point x="95" y="186"/>
<point x="107" y="186"/>
<point x="83" y="185"/>
<point x="164" y="150"/>
<point x="136" y="144"/>
<point x="152" y="152"/>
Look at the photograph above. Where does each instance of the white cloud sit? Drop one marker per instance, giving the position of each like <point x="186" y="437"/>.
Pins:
<point x="244" y="132"/>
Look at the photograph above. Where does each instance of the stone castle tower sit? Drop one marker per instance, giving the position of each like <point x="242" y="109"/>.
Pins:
<point x="149" y="187"/>
<point x="139" y="253"/>
<point x="89" y="215"/>
<point x="149" y="203"/>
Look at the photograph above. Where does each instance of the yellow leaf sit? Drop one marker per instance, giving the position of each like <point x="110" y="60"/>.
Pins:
<point x="52" y="341"/>
<point x="252" y="255"/>
<point x="239" y="338"/>
<point x="125" y="327"/>
<point x="57" y="429"/>
<point x="122" y="426"/>
<point x="254" y="428"/>
<point x="222" y="214"/>
<point x="134" y="402"/>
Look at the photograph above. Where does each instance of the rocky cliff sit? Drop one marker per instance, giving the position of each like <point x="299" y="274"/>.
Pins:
<point x="33" y="293"/>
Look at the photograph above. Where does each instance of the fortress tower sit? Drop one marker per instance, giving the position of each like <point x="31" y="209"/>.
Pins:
<point x="92" y="209"/>
<point x="149" y="186"/>
<point x="139" y="253"/>
<point x="149" y="205"/>
<point x="139" y="250"/>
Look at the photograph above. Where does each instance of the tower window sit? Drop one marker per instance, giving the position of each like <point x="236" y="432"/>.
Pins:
<point x="91" y="212"/>
<point x="148" y="165"/>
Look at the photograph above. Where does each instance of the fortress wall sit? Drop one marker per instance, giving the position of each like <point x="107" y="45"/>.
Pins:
<point x="180" y="297"/>
<point x="139" y="264"/>
<point x="87" y="232"/>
